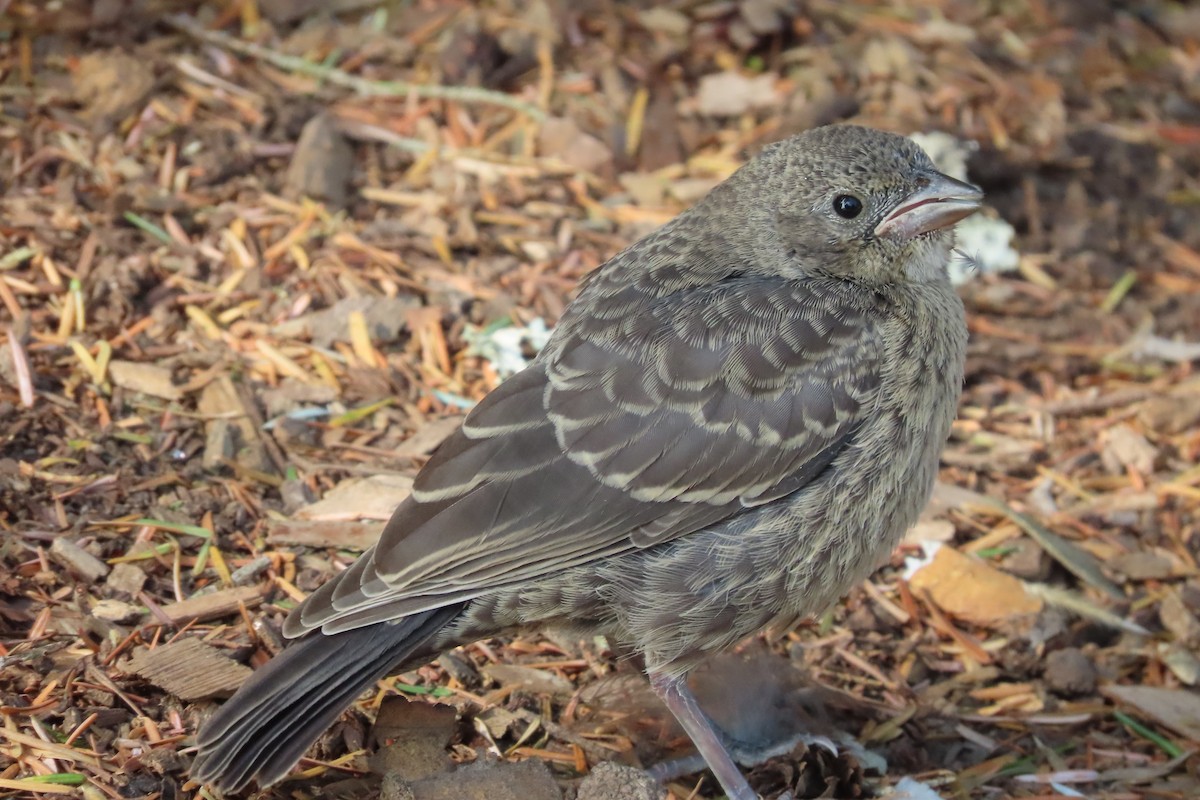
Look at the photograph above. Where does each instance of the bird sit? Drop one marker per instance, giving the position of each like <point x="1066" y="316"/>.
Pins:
<point x="732" y="424"/>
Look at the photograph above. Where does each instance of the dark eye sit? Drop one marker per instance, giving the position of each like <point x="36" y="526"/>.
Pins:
<point x="847" y="205"/>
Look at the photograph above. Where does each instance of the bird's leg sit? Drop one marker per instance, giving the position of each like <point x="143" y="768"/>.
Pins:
<point x="673" y="691"/>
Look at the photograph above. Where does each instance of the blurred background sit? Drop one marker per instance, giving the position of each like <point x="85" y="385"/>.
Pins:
<point x="257" y="257"/>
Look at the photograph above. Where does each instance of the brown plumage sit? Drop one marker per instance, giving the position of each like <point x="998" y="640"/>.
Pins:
<point x="734" y="422"/>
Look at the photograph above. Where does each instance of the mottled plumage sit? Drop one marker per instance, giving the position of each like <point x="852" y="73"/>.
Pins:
<point x="733" y="423"/>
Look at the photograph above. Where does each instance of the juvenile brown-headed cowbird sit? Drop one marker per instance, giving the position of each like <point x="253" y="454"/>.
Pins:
<point x="732" y="423"/>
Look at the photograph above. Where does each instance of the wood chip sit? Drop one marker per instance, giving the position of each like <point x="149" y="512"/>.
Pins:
<point x="1173" y="413"/>
<point x="534" y="681"/>
<point x="321" y="164"/>
<point x="112" y="610"/>
<point x="340" y="534"/>
<point x="144" y="378"/>
<point x="1177" y="709"/>
<point x="78" y="560"/>
<point x="1178" y="618"/>
<point x="230" y="430"/>
<point x="211" y="606"/>
<point x="189" y="669"/>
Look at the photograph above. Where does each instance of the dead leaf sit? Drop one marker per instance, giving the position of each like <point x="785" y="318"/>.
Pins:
<point x="973" y="591"/>
<point x="374" y="497"/>
<point x="1177" y="709"/>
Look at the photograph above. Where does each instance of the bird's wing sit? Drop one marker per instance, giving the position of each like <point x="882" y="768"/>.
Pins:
<point x="642" y="422"/>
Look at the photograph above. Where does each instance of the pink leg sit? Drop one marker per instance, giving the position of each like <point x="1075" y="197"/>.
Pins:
<point x="679" y="699"/>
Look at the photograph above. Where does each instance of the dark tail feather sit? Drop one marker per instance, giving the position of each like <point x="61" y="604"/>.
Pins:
<point x="261" y="732"/>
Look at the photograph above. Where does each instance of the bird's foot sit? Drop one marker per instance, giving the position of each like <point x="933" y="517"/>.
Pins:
<point x="821" y="741"/>
<point x="674" y="768"/>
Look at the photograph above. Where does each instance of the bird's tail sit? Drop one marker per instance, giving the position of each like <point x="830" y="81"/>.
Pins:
<point x="261" y="732"/>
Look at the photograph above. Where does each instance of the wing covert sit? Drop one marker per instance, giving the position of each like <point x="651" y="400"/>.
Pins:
<point x="713" y="395"/>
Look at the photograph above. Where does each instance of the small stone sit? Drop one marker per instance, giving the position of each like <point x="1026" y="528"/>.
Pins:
<point x="563" y="139"/>
<point x="609" y="781"/>
<point x="1070" y="672"/>
<point x="1123" y="447"/>
<point x="126" y="578"/>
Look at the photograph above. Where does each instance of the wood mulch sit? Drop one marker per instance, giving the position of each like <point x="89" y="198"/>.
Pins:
<point x="257" y="257"/>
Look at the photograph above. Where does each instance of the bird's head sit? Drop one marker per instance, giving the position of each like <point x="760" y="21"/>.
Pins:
<point x="850" y="202"/>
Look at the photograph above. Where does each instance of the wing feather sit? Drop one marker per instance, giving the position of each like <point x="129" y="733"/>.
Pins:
<point x="644" y="419"/>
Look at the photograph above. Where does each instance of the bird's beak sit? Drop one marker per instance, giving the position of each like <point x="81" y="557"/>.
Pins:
<point x="938" y="204"/>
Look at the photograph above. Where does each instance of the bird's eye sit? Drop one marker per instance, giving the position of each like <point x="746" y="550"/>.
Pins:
<point x="847" y="206"/>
